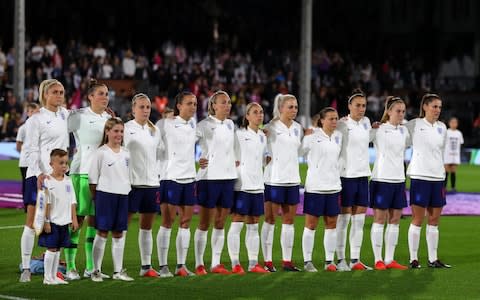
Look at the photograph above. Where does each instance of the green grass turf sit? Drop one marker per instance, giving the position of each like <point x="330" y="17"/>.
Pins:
<point x="468" y="176"/>
<point x="459" y="240"/>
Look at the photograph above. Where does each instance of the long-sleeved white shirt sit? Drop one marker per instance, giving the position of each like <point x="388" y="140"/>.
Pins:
<point x="428" y="142"/>
<point x="145" y="145"/>
<point x="354" y="158"/>
<point x="61" y="197"/>
<point x="179" y="137"/>
<point x="47" y="130"/>
<point x="250" y="150"/>
<point x="110" y="171"/>
<point x="390" y="143"/>
<point x="87" y="128"/>
<point x="323" y="152"/>
<point x="216" y="140"/>
<point x="21" y="137"/>
<point x="284" y="145"/>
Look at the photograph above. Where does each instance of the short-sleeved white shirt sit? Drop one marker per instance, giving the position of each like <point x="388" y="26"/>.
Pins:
<point x="110" y="170"/>
<point x="61" y="197"/>
<point x="452" y="147"/>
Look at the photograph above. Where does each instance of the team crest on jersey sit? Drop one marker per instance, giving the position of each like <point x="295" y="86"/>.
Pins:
<point x="191" y="124"/>
<point x="68" y="189"/>
<point x="229" y="126"/>
<point x="365" y="126"/>
<point x="401" y="130"/>
<point x="62" y="115"/>
<point x="439" y="130"/>
<point x="126" y="161"/>
<point x="261" y="139"/>
<point x="295" y="131"/>
<point x="337" y="140"/>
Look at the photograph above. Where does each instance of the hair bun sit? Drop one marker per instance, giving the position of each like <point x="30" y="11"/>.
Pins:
<point x="92" y="82"/>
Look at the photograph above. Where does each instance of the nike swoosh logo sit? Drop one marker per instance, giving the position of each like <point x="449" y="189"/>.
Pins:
<point x="422" y="129"/>
<point x="176" y="126"/>
<point x="247" y="139"/>
<point x="110" y="164"/>
<point x="91" y="122"/>
<point x="48" y="122"/>
<point x="132" y="132"/>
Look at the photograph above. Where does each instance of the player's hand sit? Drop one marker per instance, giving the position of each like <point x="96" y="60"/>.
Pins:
<point x="47" y="228"/>
<point x="267" y="133"/>
<point x="376" y="125"/>
<point x="308" y="131"/>
<point x="203" y="163"/>
<point x="109" y="111"/>
<point x="268" y="159"/>
<point x="40" y="180"/>
<point x="237" y="163"/>
<point x="74" y="225"/>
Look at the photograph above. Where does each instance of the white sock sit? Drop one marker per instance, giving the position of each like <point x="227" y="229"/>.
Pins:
<point x="48" y="263"/>
<point x="391" y="240"/>
<point x="308" y="241"/>
<point x="200" y="243"/>
<point x="217" y="241"/>
<point x="266" y="239"/>
<point x="163" y="243"/>
<point x="356" y="235"/>
<point x="329" y="243"/>
<point x="182" y="243"/>
<point x="56" y="264"/>
<point x="252" y="241"/>
<point x="145" y="244"/>
<point x="118" y="246"/>
<point x="342" y="225"/>
<point x="413" y="241"/>
<point x="233" y="242"/>
<point x="286" y="241"/>
<point x="432" y="242"/>
<point x="26" y="246"/>
<point x="376" y="236"/>
<point x="98" y="251"/>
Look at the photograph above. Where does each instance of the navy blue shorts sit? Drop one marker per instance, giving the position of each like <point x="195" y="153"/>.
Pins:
<point x="321" y="204"/>
<point x="426" y="193"/>
<point x="30" y="196"/>
<point x="57" y="238"/>
<point x="354" y="192"/>
<point x="248" y="204"/>
<point x="213" y="193"/>
<point x="283" y="194"/>
<point x="179" y="193"/>
<point x="144" y="200"/>
<point x="163" y="193"/>
<point x="111" y="211"/>
<point x="385" y="195"/>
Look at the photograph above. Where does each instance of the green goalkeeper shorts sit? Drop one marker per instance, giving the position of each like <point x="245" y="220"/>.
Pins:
<point x="85" y="205"/>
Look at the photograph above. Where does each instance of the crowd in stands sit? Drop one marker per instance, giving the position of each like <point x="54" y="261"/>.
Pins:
<point x="247" y="77"/>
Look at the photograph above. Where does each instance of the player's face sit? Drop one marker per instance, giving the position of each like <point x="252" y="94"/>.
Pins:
<point x="99" y="98"/>
<point x="396" y="113"/>
<point x="59" y="164"/>
<point x="141" y="110"/>
<point x="289" y="109"/>
<point x="255" y="115"/>
<point x="329" y="122"/>
<point x="453" y="123"/>
<point x="222" y="106"/>
<point x="54" y="96"/>
<point x="433" y="109"/>
<point x="115" y="135"/>
<point x="188" y="107"/>
<point x="357" y="107"/>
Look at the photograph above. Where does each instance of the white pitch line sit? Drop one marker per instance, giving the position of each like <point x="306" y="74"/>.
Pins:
<point x="12" y="297"/>
<point x="11" y="200"/>
<point x="11" y="227"/>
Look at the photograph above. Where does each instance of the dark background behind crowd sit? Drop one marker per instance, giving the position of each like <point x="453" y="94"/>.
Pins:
<point x="249" y="49"/>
